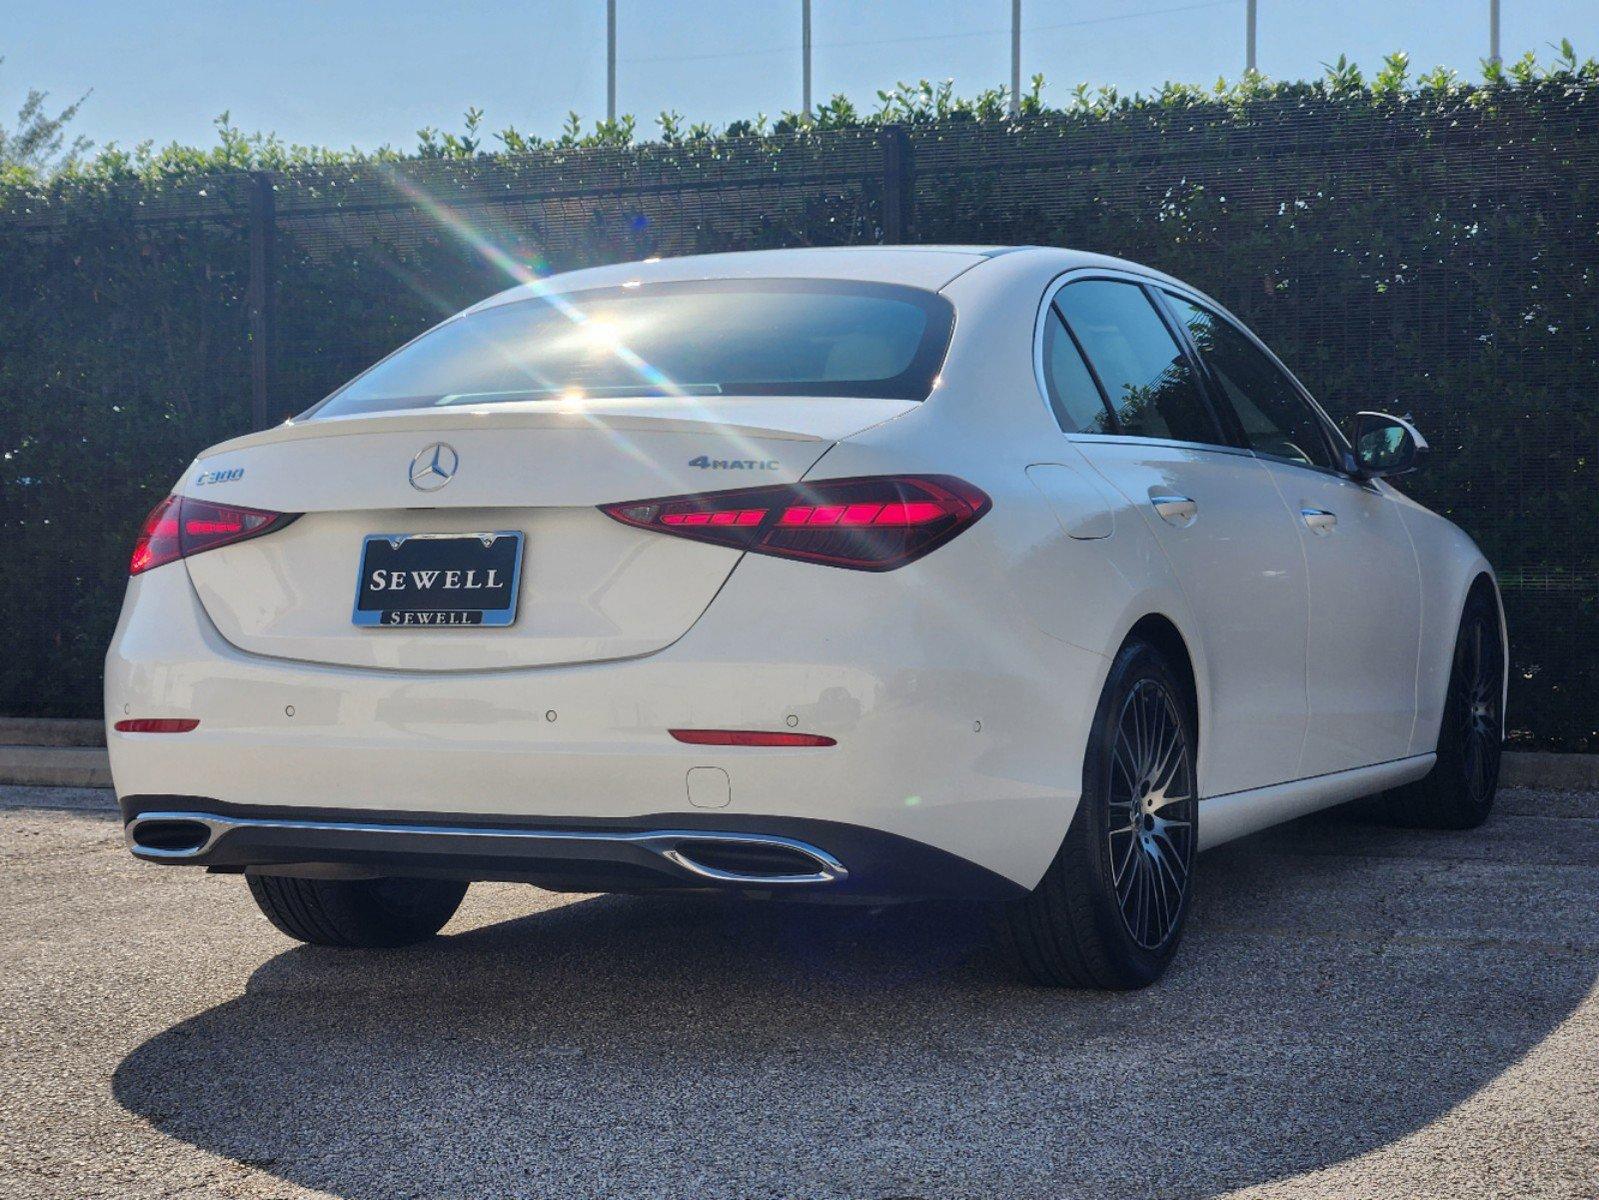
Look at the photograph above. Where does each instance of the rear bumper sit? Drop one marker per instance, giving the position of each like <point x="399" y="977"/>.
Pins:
<point x="949" y="736"/>
<point x="674" y="851"/>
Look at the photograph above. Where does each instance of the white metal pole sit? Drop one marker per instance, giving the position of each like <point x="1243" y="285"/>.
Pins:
<point x="1249" y="36"/>
<point x="1015" y="58"/>
<point x="1493" y="30"/>
<point x="610" y="60"/>
<point x="805" y="39"/>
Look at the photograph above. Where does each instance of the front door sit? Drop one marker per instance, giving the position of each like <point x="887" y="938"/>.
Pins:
<point x="1365" y="620"/>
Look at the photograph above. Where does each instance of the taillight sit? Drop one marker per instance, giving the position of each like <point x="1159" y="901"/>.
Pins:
<point x="874" y="523"/>
<point x="180" y="526"/>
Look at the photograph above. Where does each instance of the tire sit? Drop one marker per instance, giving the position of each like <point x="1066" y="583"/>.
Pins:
<point x="1458" y="793"/>
<point x="357" y="912"/>
<point x="1110" y="910"/>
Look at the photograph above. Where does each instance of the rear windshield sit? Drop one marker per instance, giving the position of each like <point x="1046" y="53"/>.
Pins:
<point x="755" y="337"/>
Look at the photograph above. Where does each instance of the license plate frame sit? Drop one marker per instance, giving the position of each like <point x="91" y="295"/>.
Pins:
<point x="439" y="555"/>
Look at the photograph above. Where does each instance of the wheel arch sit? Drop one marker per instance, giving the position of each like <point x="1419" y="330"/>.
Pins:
<point x="1437" y="653"/>
<point x="1160" y="631"/>
<point x="1453" y="569"/>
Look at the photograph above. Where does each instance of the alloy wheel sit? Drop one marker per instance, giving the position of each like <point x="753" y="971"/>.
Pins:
<point x="1152" y="808"/>
<point x="1477" y="672"/>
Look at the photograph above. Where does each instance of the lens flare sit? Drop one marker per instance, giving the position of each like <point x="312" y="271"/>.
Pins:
<point x="529" y="276"/>
<point x="601" y="335"/>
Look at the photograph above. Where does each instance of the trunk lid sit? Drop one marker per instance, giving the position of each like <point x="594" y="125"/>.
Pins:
<point x="589" y="588"/>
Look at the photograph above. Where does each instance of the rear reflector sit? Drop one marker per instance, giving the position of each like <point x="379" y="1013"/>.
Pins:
<point x="875" y="523"/>
<point x="748" y="737"/>
<point x="180" y="526"/>
<point x="157" y="725"/>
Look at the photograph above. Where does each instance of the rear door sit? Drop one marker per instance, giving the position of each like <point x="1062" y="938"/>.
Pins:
<point x="1363" y="577"/>
<point x="1140" y="416"/>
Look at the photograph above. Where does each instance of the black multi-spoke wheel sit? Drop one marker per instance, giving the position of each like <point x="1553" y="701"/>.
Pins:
<point x="1459" y="792"/>
<point x="1480" y="684"/>
<point x="1109" y="912"/>
<point x="1152" y="805"/>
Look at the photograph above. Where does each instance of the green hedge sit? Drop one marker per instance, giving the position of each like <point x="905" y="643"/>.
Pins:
<point x="1432" y="251"/>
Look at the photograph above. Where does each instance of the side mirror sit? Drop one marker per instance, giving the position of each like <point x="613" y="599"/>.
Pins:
<point x="1385" y="445"/>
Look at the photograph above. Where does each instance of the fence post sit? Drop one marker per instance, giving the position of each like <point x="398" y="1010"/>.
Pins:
<point x="261" y="295"/>
<point x="897" y="182"/>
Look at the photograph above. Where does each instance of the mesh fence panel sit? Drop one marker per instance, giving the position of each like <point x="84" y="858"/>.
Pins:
<point x="123" y="350"/>
<point x="1438" y="258"/>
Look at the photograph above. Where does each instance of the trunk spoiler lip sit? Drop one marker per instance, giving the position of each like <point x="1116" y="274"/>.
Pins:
<point x="850" y="416"/>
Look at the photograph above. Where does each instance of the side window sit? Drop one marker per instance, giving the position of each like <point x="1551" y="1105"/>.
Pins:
<point x="1147" y="378"/>
<point x="1072" y="391"/>
<point x="1275" y="417"/>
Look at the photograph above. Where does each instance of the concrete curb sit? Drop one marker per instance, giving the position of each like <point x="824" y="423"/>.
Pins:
<point x="1538" y="769"/>
<point x="47" y="731"/>
<point x="55" y="766"/>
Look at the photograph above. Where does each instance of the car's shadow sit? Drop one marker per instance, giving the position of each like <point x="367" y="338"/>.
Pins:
<point x="658" y="1047"/>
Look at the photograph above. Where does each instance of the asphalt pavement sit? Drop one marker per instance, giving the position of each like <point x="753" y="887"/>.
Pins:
<point x="1357" y="1011"/>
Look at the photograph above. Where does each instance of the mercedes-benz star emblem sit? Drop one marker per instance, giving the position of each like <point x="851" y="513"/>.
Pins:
<point x="434" y="466"/>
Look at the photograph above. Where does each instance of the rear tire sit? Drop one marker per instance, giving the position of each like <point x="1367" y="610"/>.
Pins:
<point x="357" y="912"/>
<point x="1110" y="910"/>
<point x="1458" y="793"/>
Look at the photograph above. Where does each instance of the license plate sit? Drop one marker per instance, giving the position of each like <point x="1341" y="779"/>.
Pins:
<point x="411" y="580"/>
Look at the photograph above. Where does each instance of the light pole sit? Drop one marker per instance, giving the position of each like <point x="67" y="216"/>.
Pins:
<point x="1015" y="58"/>
<point x="1493" y="31"/>
<point x="805" y="43"/>
<point x="1249" y="35"/>
<point x="610" y="60"/>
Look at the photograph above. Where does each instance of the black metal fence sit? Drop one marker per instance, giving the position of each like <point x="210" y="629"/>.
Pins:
<point x="1431" y="255"/>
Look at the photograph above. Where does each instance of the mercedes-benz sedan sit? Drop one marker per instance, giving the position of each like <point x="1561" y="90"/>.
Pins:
<point x="1014" y="575"/>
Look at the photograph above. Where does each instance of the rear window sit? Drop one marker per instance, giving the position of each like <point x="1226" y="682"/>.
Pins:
<point x="721" y="337"/>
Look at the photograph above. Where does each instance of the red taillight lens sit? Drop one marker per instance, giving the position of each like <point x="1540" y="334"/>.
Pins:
<point x="874" y="523"/>
<point x="158" y="538"/>
<point x="180" y="526"/>
<point x="749" y="737"/>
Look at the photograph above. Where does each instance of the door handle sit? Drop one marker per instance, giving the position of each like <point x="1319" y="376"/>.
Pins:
<point x="1174" y="509"/>
<point x="1320" y="521"/>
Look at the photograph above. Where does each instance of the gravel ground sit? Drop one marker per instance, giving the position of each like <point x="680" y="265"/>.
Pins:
<point x="1357" y="1011"/>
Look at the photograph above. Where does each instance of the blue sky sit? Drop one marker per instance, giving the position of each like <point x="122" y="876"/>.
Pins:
<point x="363" y="72"/>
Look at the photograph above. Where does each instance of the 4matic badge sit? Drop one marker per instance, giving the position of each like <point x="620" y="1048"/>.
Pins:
<point x="734" y="464"/>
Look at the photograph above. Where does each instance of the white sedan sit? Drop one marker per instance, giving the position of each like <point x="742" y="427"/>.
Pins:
<point x="1018" y="575"/>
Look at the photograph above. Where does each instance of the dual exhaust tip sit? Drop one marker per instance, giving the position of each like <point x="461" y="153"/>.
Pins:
<point x="179" y="837"/>
<point x="764" y="860"/>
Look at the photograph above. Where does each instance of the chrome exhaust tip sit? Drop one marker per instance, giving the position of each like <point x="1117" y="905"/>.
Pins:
<point x="764" y="861"/>
<point x="169" y="836"/>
